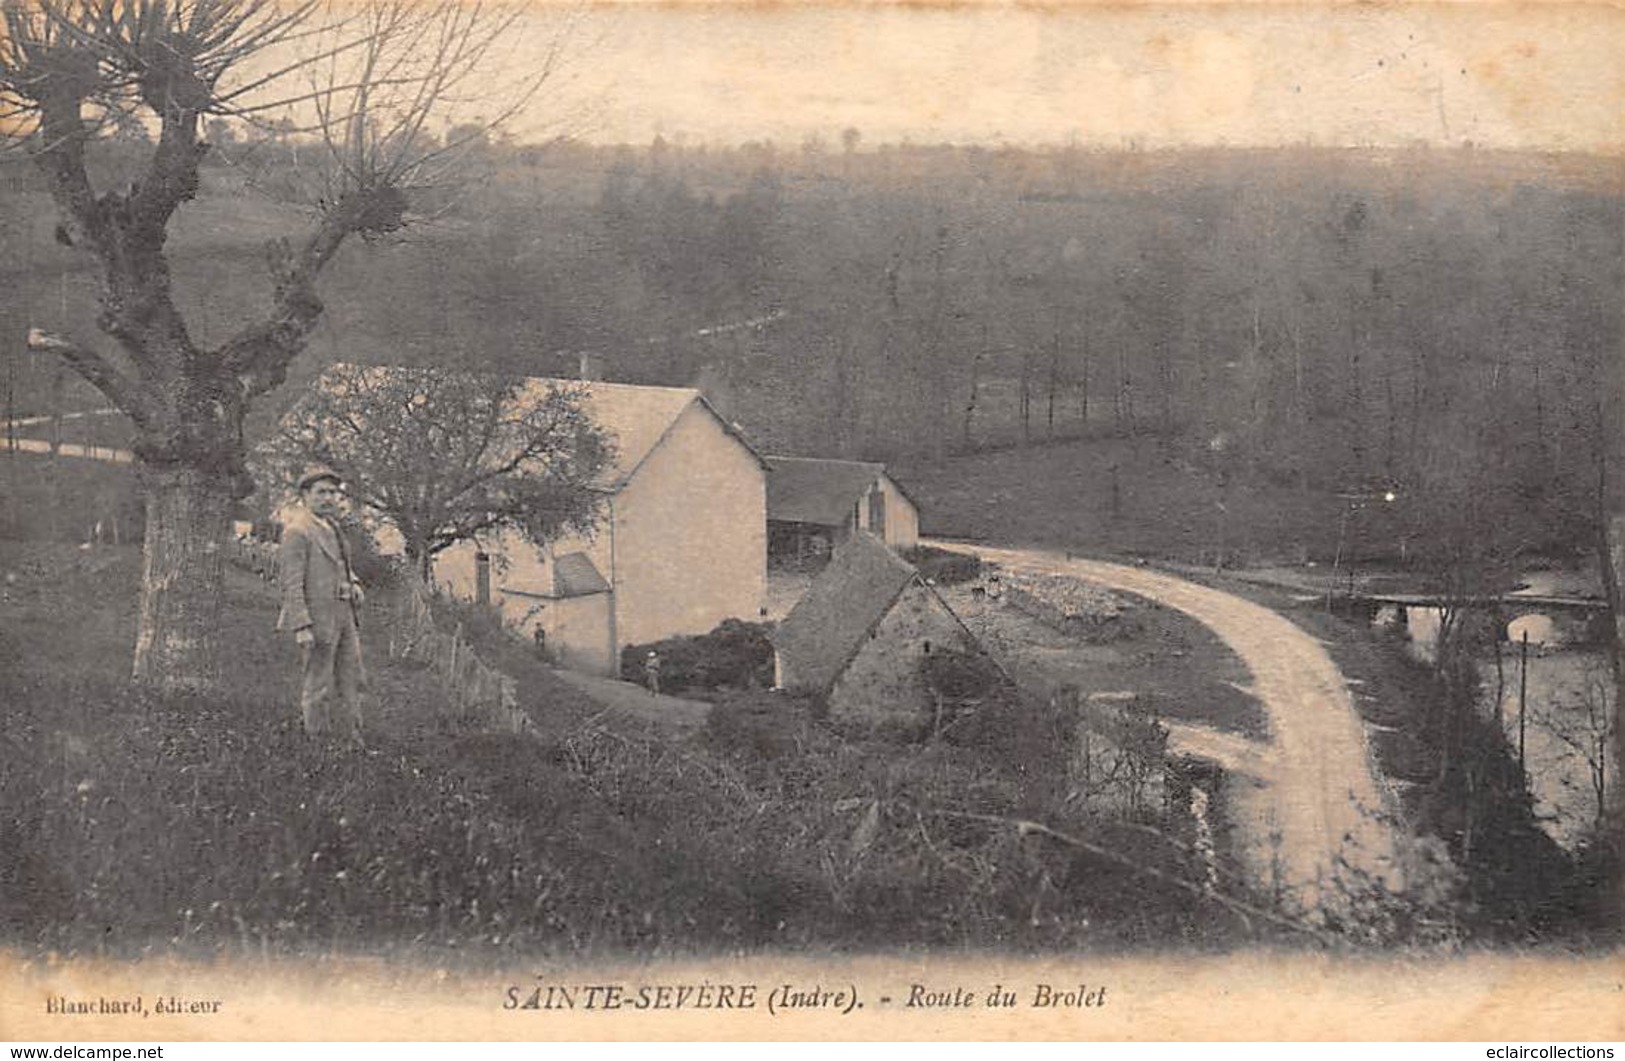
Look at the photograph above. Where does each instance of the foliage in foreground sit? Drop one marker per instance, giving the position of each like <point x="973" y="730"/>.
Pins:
<point x="139" y="823"/>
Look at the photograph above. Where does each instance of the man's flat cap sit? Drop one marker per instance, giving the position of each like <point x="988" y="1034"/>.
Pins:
<point x="316" y="473"/>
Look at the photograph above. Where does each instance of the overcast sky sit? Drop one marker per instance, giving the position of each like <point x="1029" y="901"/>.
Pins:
<point x="1543" y="76"/>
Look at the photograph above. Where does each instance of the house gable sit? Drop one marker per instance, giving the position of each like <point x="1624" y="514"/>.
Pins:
<point x="688" y="538"/>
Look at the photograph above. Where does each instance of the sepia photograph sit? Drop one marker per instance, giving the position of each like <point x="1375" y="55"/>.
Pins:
<point x="848" y="519"/>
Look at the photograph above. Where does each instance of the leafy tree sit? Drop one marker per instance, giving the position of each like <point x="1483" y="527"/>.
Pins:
<point x="358" y="83"/>
<point x="445" y="456"/>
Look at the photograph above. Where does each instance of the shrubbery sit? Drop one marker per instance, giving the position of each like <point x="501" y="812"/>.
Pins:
<point x="762" y="726"/>
<point x="736" y="655"/>
<point x="944" y="566"/>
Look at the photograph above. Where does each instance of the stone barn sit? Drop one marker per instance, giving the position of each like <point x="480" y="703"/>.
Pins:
<point x="858" y="636"/>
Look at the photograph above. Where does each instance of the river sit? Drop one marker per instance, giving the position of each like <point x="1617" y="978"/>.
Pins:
<point x="1565" y="688"/>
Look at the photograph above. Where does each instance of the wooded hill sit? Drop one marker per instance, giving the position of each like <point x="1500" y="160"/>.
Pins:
<point x="1439" y="323"/>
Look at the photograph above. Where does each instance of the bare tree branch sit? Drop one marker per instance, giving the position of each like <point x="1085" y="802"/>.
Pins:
<point x="119" y="388"/>
<point x="507" y="457"/>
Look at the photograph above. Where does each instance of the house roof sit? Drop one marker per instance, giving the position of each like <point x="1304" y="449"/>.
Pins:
<point x="844" y="604"/>
<point x="635" y="416"/>
<point x="812" y="490"/>
<point x="575" y="575"/>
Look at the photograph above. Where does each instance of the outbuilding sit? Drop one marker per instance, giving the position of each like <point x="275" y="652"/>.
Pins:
<point x="858" y="637"/>
<point x="814" y="504"/>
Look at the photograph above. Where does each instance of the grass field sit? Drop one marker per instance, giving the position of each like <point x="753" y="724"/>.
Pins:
<point x="207" y="824"/>
<point x="62" y="500"/>
<point x="1126" y="497"/>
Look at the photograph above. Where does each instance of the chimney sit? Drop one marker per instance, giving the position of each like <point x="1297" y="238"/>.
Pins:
<point x="592" y="367"/>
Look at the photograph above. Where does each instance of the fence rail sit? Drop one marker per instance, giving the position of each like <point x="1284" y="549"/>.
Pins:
<point x="476" y="694"/>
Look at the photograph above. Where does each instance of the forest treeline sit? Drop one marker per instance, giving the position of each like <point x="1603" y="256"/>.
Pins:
<point x="1440" y="324"/>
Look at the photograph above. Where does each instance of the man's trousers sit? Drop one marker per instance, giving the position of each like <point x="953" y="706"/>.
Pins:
<point x="330" y="693"/>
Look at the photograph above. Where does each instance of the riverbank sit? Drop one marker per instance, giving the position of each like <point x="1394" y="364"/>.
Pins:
<point x="1459" y="790"/>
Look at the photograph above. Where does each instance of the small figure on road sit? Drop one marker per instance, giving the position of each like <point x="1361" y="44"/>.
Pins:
<point x="320" y="598"/>
<point x="651" y="673"/>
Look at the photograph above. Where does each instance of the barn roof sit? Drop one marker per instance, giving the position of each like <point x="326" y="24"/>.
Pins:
<point x="841" y="608"/>
<point x="575" y="575"/>
<point x="813" y="490"/>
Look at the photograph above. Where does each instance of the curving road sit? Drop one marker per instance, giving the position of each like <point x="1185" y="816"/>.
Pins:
<point x="1312" y="821"/>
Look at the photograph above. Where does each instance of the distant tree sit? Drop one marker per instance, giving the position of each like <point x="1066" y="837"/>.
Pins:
<point x="471" y="136"/>
<point x="362" y="80"/>
<point x="220" y="132"/>
<point x="445" y="456"/>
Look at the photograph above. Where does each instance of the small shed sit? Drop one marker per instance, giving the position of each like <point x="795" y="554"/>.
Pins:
<point x="813" y="505"/>
<point x="858" y="636"/>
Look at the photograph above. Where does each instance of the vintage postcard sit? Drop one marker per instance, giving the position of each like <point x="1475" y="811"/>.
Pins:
<point x="718" y="521"/>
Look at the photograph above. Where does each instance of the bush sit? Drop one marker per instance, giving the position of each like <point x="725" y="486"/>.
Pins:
<point x="760" y="725"/>
<point x="944" y="566"/>
<point x="372" y="567"/>
<point x="736" y="655"/>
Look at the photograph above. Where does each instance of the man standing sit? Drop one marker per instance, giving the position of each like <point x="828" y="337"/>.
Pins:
<point x="651" y="673"/>
<point x="320" y="595"/>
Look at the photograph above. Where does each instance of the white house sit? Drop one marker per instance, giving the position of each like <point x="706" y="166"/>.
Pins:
<point x="814" y="505"/>
<point x="681" y="542"/>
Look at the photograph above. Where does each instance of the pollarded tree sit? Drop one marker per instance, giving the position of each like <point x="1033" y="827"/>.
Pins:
<point x="363" y="79"/>
<point x="445" y="456"/>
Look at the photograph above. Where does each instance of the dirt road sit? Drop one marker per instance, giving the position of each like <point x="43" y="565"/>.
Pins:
<point x="1310" y="818"/>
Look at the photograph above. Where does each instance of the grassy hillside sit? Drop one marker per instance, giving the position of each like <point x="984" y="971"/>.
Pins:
<point x="1132" y="497"/>
<point x="135" y="825"/>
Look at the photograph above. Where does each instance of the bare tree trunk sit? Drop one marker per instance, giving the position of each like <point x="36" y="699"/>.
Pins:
<point x="970" y="401"/>
<point x="1083" y="379"/>
<point x="936" y="358"/>
<point x="1054" y="377"/>
<point x="1026" y="397"/>
<point x="1356" y="395"/>
<point x="1170" y="380"/>
<point x="841" y="399"/>
<point x="1125" y="393"/>
<point x="181" y="579"/>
